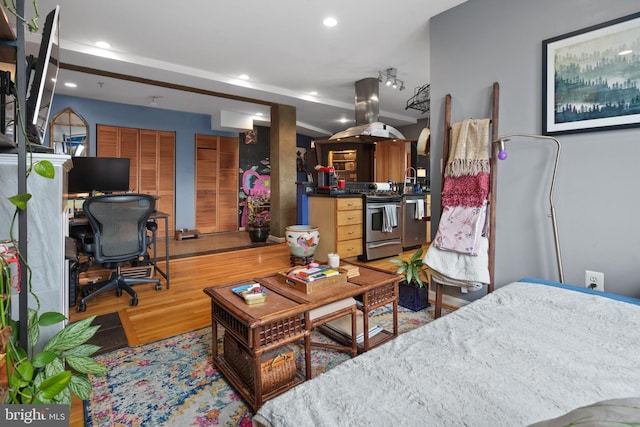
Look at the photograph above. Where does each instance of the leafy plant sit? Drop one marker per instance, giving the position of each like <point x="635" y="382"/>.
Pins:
<point x="62" y="367"/>
<point x="413" y="269"/>
<point x="258" y="214"/>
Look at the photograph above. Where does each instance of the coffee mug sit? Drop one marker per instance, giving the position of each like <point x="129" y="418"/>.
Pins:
<point x="342" y="184"/>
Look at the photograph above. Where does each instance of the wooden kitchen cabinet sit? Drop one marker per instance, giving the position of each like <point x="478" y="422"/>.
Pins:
<point x="339" y="220"/>
<point x="391" y="160"/>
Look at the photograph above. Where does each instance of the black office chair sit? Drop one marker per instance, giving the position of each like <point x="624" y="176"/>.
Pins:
<point x="119" y="224"/>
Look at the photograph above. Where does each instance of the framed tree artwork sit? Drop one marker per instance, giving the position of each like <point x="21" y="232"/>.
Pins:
<point x="591" y="78"/>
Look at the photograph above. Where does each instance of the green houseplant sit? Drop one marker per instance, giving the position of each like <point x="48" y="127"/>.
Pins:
<point x="258" y="215"/>
<point x="62" y="367"/>
<point x="413" y="289"/>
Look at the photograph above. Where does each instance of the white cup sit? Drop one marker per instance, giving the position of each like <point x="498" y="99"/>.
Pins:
<point x="334" y="260"/>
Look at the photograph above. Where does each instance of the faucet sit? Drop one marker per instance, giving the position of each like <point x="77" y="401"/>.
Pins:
<point x="409" y="178"/>
<point x="412" y="178"/>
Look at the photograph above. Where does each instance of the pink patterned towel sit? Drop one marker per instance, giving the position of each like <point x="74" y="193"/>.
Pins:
<point x="468" y="190"/>
<point x="460" y="229"/>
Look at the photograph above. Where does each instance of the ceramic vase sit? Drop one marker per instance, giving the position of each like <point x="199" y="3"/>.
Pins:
<point x="302" y="239"/>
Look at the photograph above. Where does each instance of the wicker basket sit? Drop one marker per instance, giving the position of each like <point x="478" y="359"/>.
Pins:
<point x="278" y="368"/>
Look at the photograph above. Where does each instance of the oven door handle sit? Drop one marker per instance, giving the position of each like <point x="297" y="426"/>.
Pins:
<point x="381" y="205"/>
<point x="379" y="245"/>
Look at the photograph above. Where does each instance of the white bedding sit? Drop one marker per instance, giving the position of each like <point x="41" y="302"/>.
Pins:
<point x="524" y="353"/>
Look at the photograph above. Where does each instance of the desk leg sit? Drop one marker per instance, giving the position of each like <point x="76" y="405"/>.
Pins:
<point x="166" y="248"/>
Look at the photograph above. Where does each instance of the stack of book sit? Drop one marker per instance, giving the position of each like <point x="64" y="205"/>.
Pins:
<point x="342" y="326"/>
<point x="316" y="273"/>
<point x="350" y="269"/>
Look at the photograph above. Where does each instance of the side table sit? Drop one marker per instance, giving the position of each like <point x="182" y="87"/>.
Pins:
<point x="257" y="329"/>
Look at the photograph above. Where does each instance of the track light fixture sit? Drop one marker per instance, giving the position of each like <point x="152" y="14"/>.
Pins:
<point x="390" y="78"/>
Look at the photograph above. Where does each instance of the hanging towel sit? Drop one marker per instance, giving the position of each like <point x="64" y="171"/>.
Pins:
<point x="389" y="218"/>
<point x="460" y="229"/>
<point x="419" y="214"/>
<point x="468" y="190"/>
<point x="470" y="148"/>
<point x="464" y="269"/>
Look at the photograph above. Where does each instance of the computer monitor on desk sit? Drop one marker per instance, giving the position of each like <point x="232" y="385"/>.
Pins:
<point x="98" y="175"/>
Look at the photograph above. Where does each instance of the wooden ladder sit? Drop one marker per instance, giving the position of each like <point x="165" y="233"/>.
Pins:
<point x="439" y="287"/>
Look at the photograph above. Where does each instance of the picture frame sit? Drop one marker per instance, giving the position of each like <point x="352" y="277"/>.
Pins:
<point x="590" y="78"/>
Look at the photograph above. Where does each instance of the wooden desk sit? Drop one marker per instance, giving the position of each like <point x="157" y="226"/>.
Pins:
<point x="284" y="318"/>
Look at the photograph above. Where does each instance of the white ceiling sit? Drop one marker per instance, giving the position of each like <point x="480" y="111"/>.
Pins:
<point x="282" y="45"/>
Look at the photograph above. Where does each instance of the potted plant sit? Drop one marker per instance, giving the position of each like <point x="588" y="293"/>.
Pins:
<point x="413" y="290"/>
<point x="258" y="203"/>
<point x="61" y="368"/>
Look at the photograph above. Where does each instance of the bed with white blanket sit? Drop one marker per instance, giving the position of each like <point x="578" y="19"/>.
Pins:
<point x="527" y="352"/>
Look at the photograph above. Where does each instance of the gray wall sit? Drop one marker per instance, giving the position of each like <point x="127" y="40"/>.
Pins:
<point x="482" y="41"/>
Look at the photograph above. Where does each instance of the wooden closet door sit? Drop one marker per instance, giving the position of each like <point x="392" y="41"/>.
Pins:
<point x="167" y="177"/>
<point x="227" y="192"/>
<point x="113" y="141"/>
<point x="206" y="175"/>
<point x="149" y="154"/>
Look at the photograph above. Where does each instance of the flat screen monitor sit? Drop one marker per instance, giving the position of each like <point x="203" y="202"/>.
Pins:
<point x="98" y="174"/>
<point x="42" y="80"/>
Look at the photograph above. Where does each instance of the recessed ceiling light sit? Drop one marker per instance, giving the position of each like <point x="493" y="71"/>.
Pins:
<point x="103" y="45"/>
<point x="330" y="22"/>
<point x="313" y="93"/>
<point x="243" y="76"/>
<point x="625" y="52"/>
<point x="70" y="84"/>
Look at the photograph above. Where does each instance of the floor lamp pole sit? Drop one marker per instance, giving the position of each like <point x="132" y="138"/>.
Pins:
<point x="502" y="155"/>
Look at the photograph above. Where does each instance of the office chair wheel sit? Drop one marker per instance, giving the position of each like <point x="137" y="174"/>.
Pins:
<point x="158" y="286"/>
<point x="82" y="307"/>
<point x="134" y="301"/>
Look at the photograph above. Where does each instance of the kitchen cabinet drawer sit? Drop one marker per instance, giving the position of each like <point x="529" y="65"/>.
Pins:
<point x="348" y="218"/>
<point x="349" y="232"/>
<point x="343" y="204"/>
<point x="350" y="248"/>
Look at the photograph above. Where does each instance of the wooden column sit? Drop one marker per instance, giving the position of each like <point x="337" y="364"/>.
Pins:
<point x="283" y="168"/>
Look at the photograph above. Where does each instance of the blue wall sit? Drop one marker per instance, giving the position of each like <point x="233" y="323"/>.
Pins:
<point x="185" y="125"/>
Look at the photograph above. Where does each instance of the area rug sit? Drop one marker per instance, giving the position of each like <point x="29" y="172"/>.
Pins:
<point x="172" y="382"/>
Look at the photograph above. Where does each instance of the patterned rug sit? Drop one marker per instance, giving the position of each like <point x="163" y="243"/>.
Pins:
<point x="172" y="382"/>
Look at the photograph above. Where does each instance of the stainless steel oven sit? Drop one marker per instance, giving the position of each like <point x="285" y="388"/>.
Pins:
<point x="382" y="226"/>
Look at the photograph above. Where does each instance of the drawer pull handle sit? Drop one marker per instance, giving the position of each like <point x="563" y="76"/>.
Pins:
<point x="350" y="217"/>
<point x="350" y="232"/>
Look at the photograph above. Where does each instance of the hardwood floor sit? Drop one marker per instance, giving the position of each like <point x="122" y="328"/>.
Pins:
<point x="184" y="306"/>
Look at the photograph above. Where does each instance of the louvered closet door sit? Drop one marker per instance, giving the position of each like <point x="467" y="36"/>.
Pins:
<point x="167" y="177"/>
<point x="113" y="141"/>
<point x="206" y="182"/>
<point x="227" y="203"/>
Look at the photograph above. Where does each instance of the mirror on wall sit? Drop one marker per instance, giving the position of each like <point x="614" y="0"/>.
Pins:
<point x="69" y="133"/>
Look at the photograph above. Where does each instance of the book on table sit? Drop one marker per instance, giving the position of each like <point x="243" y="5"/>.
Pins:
<point x="316" y="273"/>
<point x="342" y="326"/>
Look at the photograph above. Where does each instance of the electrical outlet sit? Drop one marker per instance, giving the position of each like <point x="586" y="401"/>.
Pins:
<point x="594" y="280"/>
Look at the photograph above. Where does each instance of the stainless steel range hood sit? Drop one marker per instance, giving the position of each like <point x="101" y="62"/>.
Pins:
<point x="367" y="128"/>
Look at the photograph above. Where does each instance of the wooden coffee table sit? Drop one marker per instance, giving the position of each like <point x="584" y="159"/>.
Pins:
<point x="284" y="318"/>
